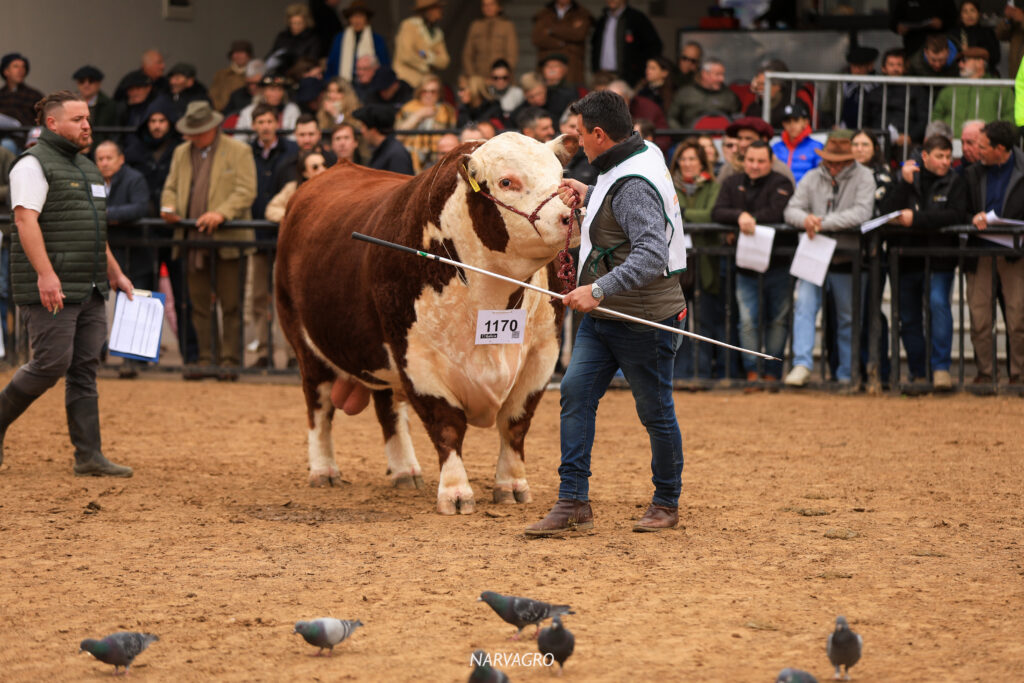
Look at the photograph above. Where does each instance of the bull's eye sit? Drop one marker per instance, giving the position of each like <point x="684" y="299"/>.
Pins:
<point x="505" y="182"/>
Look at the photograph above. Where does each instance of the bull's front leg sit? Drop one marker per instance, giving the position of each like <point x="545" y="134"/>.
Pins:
<point x="510" y="483"/>
<point x="323" y="470"/>
<point x="403" y="468"/>
<point x="446" y="426"/>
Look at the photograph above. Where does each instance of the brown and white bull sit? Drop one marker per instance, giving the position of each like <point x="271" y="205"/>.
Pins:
<point x="370" y="321"/>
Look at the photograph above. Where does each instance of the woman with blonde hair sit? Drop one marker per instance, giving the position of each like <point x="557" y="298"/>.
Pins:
<point x="337" y="104"/>
<point x="475" y="102"/>
<point x="426" y="111"/>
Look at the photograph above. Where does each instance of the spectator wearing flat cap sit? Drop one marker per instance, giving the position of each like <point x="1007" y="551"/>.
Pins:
<point x="491" y="38"/>
<point x="388" y="154"/>
<point x="956" y="104"/>
<point x="860" y="61"/>
<point x="707" y="94"/>
<point x="139" y="94"/>
<point x="185" y="89"/>
<point x="420" y="48"/>
<point x="103" y="111"/>
<point x="273" y="91"/>
<point x="17" y="100"/>
<point x="747" y="130"/>
<point x="797" y="148"/>
<point x="358" y="39"/>
<point x="232" y="77"/>
<point x="562" y="26"/>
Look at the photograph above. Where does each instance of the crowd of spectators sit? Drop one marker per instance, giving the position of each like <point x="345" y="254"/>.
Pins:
<point x="331" y="89"/>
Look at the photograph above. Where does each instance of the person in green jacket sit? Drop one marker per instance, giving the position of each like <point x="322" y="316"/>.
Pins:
<point x="959" y="103"/>
<point x="1018" y="88"/>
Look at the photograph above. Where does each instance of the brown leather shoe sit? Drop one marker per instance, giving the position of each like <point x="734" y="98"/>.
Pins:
<point x="658" y="517"/>
<point x="565" y="516"/>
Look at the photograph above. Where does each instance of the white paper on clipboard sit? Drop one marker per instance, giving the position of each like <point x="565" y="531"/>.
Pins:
<point x="138" y="325"/>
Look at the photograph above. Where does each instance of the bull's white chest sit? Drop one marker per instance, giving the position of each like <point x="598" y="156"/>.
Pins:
<point x="443" y="359"/>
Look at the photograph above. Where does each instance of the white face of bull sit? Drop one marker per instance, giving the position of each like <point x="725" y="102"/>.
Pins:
<point x="524" y="173"/>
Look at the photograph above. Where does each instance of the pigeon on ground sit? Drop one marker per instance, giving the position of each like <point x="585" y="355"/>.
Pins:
<point x="326" y="632"/>
<point x="522" y="611"/>
<point x="119" y="649"/>
<point x="843" y="647"/>
<point x="483" y="672"/>
<point x="790" y="675"/>
<point x="557" y="641"/>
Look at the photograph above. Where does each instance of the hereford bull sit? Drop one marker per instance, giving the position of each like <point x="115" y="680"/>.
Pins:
<point x="369" y="321"/>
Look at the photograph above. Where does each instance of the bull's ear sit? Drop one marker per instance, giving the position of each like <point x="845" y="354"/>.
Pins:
<point x="565" y="148"/>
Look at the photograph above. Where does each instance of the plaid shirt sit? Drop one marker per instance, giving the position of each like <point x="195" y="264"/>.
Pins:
<point x="20" y="103"/>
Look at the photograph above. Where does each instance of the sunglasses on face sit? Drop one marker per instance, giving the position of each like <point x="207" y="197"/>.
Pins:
<point x="496" y="77"/>
<point x="691" y="60"/>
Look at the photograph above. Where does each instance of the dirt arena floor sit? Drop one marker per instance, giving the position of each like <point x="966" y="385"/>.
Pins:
<point x="905" y="515"/>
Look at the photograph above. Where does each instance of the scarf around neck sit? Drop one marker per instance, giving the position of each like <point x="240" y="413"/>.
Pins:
<point x="351" y="50"/>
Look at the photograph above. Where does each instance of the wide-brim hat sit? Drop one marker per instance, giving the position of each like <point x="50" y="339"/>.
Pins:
<point x="754" y="123"/>
<point x="838" y="146"/>
<point x="355" y="7"/>
<point x="424" y="5"/>
<point x="860" y="54"/>
<point x="199" y="118"/>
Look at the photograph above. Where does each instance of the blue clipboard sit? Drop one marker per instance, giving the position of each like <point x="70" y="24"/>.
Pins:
<point x="136" y="327"/>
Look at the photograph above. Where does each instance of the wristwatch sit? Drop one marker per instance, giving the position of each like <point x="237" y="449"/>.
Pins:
<point x="596" y="291"/>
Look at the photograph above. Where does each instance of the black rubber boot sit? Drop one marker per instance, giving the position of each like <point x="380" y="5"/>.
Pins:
<point x="12" y="404"/>
<point x="84" y="430"/>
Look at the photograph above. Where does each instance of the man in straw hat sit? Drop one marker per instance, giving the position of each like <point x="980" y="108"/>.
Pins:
<point x="837" y="195"/>
<point x="419" y="46"/>
<point x="357" y="40"/>
<point x="212" y="180"/>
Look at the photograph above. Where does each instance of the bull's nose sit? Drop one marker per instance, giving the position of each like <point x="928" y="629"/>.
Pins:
<point x="566" y="219"/>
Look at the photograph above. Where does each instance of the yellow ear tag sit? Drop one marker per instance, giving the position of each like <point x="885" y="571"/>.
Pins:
<point x="471" y="179"/>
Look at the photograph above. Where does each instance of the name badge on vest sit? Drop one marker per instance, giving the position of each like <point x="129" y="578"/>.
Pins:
<point x="99" y="191"/>
<point x="500" y="327"/>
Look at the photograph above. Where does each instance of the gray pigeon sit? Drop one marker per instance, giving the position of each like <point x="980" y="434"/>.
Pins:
<point x="789" y="675"/>
<point x="557" y="641"/>
<point x="843" y="647"/>
<point x="522" y="611"/>
<point x="326" y="632"/>
<point x="119" y="649"/>
<point x="483" y="672"/>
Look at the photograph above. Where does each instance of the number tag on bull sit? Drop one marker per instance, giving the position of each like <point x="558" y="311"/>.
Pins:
<point x="500" y="327"/>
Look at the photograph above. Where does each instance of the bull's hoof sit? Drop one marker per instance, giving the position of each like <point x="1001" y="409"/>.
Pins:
<point x="408" y="481"/>
<point x="503" y="496"/>
<point x="322" y="478"/>
<point x="523" y="496"/>
<point x="456" y="506"/>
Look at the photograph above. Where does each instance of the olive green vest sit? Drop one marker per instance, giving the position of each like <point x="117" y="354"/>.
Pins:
<point x="73" y="223"/>
<point x="656" y="301"/>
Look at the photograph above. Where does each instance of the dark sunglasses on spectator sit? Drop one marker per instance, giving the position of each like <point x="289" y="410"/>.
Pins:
<point x="496" y="77"/>
<point x="688" y="59"/>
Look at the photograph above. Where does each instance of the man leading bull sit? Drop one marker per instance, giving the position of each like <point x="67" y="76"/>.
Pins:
<point x="632" y="250"/>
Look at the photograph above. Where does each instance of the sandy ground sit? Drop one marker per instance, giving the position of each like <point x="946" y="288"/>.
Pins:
<point x="903" y="514"/>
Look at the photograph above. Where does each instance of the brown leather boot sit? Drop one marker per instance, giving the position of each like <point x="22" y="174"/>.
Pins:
<point x="658" y="517"/>
<point x="565" y="516"/>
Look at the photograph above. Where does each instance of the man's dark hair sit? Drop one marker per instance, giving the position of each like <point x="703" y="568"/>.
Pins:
<point x="1001" y="133"/>
<point x="895" y="52"/>
<point x="606" y="110"/>
<point x="355" y="133"/>
<point x="761" y="144"/>
<point x="936" y="42"/>
<point x="529" y="117"/>
<point x="54" y="100"/>
<point x="120" y="150"/>
<point x="937" y="142"/>
<point x="303" y="118"/>
<point x="261" y="109"/>
<point x="501" y="64"/>
<point x="601" y="79"/>
<point x="646" y="127"/>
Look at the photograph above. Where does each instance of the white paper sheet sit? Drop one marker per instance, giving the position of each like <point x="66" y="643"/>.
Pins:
<point x="1004" y="240"/>
<point x="876" y="222"/>
<point x="755" y="251"/>
<point x="810" y="262"/>
<point x="137" y="325"/>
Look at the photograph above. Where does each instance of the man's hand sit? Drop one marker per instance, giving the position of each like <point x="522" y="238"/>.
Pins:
<point x="120" y="281"/>
<point x="170" y="217"/>
<point x="812" y="225"/>
<point x="580" y="299"/>
<point x="909" y="169"/>
<point x="747" y="223"/>
<point x="210" y="221"/>
<point x="979" y="221"/>
<point x="906" y="218"/>
<point x="572" y="193"/>
<point x="51" y="295"/>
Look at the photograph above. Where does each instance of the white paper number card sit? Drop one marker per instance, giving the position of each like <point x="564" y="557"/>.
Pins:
<point x="500" y="327"/>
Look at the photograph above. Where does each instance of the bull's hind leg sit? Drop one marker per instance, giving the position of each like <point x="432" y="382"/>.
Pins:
<point x="510" y="475"/>
<point x="317" y="380"/>
<point x="393" y="416"/>
<point x="446" y="427"/>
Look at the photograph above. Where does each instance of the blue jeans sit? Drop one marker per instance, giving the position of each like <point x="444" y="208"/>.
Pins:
<point x="646" y="356"/>
<point x="776" y="311"/>
<point x="912" y="320"/>
<point x="805" y="311"/>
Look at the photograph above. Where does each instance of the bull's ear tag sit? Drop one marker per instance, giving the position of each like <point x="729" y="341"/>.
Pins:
<point x="471" y="179"/>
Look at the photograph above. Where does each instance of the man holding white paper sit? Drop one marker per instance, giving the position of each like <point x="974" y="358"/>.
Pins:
<point x="837" y="196"/>
<point x="759" y="195"/>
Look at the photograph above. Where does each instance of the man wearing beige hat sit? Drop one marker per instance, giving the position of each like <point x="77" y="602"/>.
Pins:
<point x="419" y="46"/>
<point x="958" y="103"/>
<point x="837" y="195"/>
<point x="212" y="180"/>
